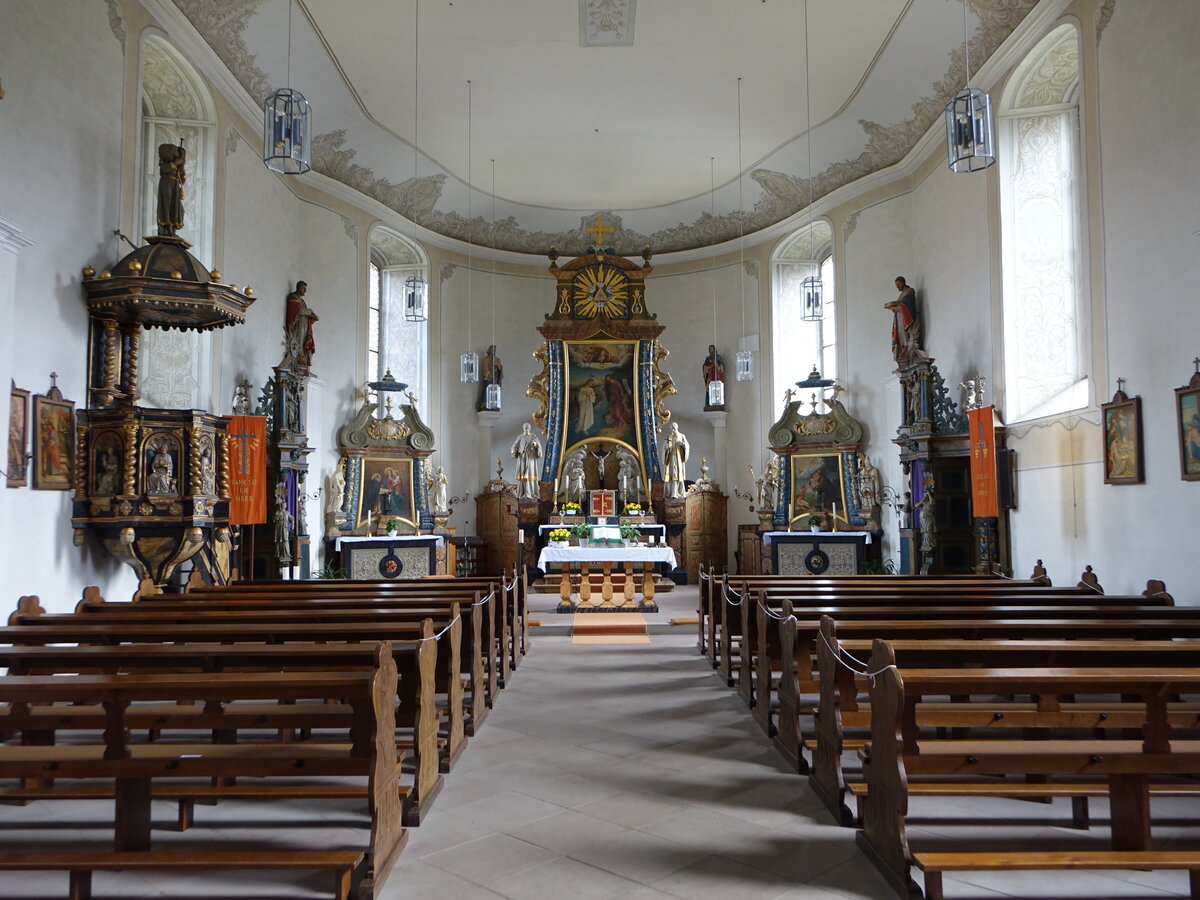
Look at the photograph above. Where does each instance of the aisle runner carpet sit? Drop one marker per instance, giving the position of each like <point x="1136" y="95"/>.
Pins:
<point x="609" y="628"/>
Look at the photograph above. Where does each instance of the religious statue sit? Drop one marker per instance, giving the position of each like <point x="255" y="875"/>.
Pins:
<point x="573" y="470"/>
<point x="675" y="455"/>
<point x="928" y="520"/>
<point x="171" y="176"/>
<point x="714" y="367"/>
<point x="601" y="456"/>
<point x="162" y="473"/>
<point x="764" y="495"/>
<point x="629" y="476"/>
<point x="108" y="469"/>
<point x="297" y="330"/>
<point x="906" y="325"/>
<point x="491" y="371"/>
<point x="241" y="399"/>
<point x="335" y="490"/>
<point x="439" y="491"/>
<point x="208" y="471"/>
<point x="283" y="524"/>
<point x="904" y="510"/>
<point x="527" y="450"/>
<point x="869" y="486"/>
<point x="975" y="391"/>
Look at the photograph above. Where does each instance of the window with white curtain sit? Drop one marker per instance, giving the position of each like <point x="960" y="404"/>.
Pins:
<point x="395" y="344"/>
<point x="796" y="345"/>
<point x="1043" y="253"/>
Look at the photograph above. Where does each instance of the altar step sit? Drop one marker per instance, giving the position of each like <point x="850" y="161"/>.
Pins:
<point x="550" y="585"/>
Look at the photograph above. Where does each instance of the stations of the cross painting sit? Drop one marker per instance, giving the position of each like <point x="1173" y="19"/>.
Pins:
<point x="599" y="230"/>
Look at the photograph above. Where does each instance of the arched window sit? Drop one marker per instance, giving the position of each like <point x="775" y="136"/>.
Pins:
<point x="1043" y="251"/>
<point x="798" y="345"/>
<point x="176" y="106"/>
<point x="394" y="343"/>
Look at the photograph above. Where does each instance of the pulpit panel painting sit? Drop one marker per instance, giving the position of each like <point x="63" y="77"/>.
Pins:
<point x="387" y="490"/>
<point x="817" y="484"/>
<point x="601" y="392"/>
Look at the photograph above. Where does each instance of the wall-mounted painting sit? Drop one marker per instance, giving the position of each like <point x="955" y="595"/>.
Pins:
<point x="387" y="490"/>
<point x="1123" y="462"/>
<point x="817" y="484"/>
<point x="53" y="442"/>
<point x="1187" y="405"/>
<point x="601" y="392"/>
<point x="17" y="472"/>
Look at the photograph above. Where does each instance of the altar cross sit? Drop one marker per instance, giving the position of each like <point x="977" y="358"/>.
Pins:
<point x="598" y="231"/>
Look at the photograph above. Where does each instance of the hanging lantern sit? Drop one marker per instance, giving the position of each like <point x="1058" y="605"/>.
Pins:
<point x="745" y="365"/>
<point x="970" y="143"/>
<point x="716" y="393"/>
<point x="468" y="367"/>
<point x="491" y="398"/>
<point x="810" y="295"/>
<point x="414" y="298"/>
<point x="287" y="132"/>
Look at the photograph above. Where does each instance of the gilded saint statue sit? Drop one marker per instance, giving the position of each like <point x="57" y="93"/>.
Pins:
<point x="906" y="324"/>
<point x="171" y="176"/>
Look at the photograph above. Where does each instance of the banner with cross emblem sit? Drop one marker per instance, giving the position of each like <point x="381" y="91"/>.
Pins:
<point x="984" y="494"/>
<point x="247" y="436"/>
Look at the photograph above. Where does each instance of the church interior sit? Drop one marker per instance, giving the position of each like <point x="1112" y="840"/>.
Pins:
<point x="587" y="354"/>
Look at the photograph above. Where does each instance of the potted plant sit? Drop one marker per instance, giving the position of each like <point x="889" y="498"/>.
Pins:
<point x="629" y="532"/>
<point x="393" y="526"/>
<point x="569" y="509"/>
<point x="814" y="522"/>
<point x="559" y="537"/>
<point x="579" y="533"/>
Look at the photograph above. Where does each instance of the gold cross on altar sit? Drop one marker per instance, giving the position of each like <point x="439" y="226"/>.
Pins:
<point x="599" y="231"/>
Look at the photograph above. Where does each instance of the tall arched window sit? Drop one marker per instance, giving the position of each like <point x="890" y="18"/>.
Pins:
<point x="798" y="345"/>
<point x="176" y="106"/>
<point x="394" y="343"/>
<point x="1043" y="251"/>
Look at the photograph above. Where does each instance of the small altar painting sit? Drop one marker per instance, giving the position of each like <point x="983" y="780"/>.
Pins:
<point x="53" y="443"/>
<point x="1123" y="440"/>
<point x="602" y="503"/>
<point x="387" y="490"/>
<point x="600" y="391"/>
<point x="817" y="484"/>
<point x="1188" y="408"/>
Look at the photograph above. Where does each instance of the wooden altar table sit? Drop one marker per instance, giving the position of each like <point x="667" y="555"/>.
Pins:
<point x="606" y="557"/>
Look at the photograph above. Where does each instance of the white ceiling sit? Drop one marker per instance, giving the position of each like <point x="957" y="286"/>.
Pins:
<point x="638" y="132"/>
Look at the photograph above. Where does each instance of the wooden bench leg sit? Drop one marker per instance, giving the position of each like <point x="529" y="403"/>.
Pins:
<point x="933" y="886"/>
<point x="1129" y="801"/>
<point x="80" y="885"/>
<point x="1079" y="813"/>
<point x="1194" y="883"/>
<point x="341" y="885"/>
<point x="186" y="815"/>
<point x="132" y="827"/>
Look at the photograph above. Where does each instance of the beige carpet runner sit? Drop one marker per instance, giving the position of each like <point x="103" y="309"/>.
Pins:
<point x="609" y="628"/>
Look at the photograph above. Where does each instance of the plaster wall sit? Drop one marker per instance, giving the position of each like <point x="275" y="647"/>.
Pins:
<point x="60" y="138"/>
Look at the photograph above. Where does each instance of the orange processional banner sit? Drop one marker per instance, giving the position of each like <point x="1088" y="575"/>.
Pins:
<point x="247" y="436"/>
<point x="985" y="496"/>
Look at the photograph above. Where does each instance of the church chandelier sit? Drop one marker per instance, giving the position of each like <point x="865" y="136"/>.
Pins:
<point x="468" y="363"/>
<point x="811" y="289"/>
<point x="287" y="124"/>
<point x="970" y="133"/>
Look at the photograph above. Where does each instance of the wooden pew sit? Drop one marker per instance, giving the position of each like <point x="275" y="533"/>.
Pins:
<point x="479" y="667"/>
<point x="461" y="656"/>
<point x="839" y="708"/>
<point x="799" y="639"/>
<point x="132" y="767"/>
<point x="421" y="720"/>
<point x="897" y="750"/>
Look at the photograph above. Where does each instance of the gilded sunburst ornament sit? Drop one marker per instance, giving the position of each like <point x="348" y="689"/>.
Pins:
<point x="601" y="291"/>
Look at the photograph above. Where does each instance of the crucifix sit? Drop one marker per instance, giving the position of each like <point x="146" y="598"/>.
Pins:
<point x="599" y="231"/>
<point x="1120" y="385"/>
<point x="601" y="456"/>
<point x="242" y="449"/>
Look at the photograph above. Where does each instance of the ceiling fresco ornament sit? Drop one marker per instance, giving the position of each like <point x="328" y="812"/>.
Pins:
<point x="850" y="224"/>
<point x="430" y="200"/>
<point x="1104" y="16"/>
<point x="606" y="23"/>
<point x="231" y="141"/>
<point x="116" y="22"/>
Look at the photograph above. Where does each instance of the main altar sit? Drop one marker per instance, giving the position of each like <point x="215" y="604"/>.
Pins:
<point x="601" y="394"/>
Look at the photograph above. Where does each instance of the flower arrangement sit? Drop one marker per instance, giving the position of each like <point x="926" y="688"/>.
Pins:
<point x="393" y="524"/>
<point x="559" y="535"/>
<point x="633" y="509"/>
<point x="569" y="509"/>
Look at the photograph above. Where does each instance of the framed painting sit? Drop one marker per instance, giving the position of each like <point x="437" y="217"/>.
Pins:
<point x="817" y="484"/>
<point x="387" y="491"/>
<point x="1187" y="405"/>
<point x="53" y="443"/>
<point x="17" y="472"/>
<point x="601" y="392"/>
<point x="1123" y="461"/>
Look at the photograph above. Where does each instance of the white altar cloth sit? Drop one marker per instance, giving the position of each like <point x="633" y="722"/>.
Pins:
<point x="568" y="555"/>
<point x="363" y="538"/>
<point x="816" y="534"/>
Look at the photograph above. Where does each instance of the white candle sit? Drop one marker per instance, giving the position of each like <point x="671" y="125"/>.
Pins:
<point x="835" y="510"/>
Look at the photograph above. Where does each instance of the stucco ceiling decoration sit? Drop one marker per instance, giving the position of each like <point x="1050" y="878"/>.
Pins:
<point x="576" y="132"/>
<point x="1054" y="77"/>
<point x="606" y="23"/>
